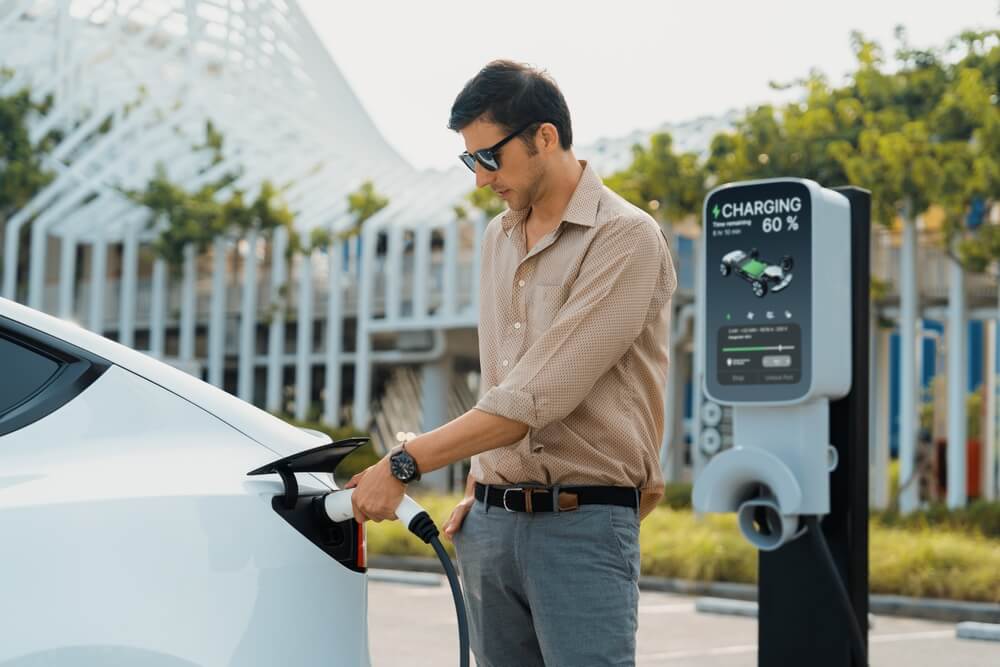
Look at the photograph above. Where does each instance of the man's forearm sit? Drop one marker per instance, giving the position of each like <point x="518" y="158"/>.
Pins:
<point x="474" y="432"/>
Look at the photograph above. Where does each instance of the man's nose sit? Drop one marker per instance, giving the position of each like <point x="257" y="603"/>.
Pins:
<point x="483" y="176"/>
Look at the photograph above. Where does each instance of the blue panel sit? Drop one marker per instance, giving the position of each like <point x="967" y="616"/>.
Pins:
<point x="685" y="261"/>
<point x="975" y="354"/>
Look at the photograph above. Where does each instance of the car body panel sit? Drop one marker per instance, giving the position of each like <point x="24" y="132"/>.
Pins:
<point x="132" y="535"/>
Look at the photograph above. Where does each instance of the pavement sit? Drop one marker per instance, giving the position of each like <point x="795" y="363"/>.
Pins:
<point x="414" y="624"/>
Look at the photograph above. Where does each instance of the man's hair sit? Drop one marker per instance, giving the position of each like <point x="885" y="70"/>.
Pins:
<point x="512" y="95"/>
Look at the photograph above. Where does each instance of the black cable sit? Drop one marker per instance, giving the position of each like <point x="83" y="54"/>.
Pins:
<point x="423" y="527"/>
<point x="456" y="592"/>
<point x="819" y="541"/>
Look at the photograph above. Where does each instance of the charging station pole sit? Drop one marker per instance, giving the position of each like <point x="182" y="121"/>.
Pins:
<point x="800" y="621"/>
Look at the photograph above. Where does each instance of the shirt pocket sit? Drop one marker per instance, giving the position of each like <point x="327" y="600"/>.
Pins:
<point x="544" y="301"/>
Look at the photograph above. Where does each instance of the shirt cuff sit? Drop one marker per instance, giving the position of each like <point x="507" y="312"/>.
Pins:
<point x="509" y="403"/>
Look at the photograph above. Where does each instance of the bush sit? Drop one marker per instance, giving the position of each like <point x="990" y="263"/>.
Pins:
<point x="677" y="495"/>
<point x="978" y="518"/>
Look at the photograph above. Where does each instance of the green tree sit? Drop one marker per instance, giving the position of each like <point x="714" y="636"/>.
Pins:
<point x="198" y="217"/>
<point x="362" y="204"/>
<point x="485" y="200"/>
<point x="666" y="185"/>
<point x="22" y="170"/>
<point x="921" y="131"/>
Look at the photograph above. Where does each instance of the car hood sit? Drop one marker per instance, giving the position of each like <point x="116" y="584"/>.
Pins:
<point x="263" y="427"/>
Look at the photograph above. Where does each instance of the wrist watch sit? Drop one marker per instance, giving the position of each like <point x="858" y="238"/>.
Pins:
<point x="403" y="466"/>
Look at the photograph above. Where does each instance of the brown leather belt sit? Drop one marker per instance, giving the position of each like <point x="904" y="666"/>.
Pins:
<point x="532" y="499"/>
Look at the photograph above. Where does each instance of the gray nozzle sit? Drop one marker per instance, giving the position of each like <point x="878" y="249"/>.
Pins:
<point x="764" y="525"/>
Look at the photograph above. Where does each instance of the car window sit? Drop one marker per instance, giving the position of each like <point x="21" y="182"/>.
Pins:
<point x="25" y="371"/>
<point x="39" y="373"/>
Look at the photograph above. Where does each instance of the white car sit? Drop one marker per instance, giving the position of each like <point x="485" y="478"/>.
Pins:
<point x="132" y="535"/>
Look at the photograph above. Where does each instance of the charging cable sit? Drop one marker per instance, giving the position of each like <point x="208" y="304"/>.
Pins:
<point x="339" y="508"/>
<point x="819" y="542"/>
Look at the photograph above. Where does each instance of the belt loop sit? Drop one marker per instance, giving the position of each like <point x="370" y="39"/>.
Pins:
<point x="555" y="499"/>
<point x="638" y="495"/>
<point x="486" y="500"/>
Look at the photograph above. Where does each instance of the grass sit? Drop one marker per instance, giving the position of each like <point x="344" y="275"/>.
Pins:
<point x="939" y="561"/>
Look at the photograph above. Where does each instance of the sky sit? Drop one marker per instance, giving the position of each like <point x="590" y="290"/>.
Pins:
<point x="622" y="65"/>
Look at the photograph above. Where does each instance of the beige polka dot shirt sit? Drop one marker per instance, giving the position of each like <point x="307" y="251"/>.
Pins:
<point x="573" y="340"/>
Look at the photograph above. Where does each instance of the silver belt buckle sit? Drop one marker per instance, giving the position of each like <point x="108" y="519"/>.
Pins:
<point x="505" y="491"/>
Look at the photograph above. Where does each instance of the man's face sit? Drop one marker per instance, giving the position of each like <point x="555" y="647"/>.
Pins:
<point x="516" y="182"/>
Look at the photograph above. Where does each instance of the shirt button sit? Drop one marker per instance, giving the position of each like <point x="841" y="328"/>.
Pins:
<point x="520" y="283"/>
<point x="505" y="363"/>
<point x="517" y="325"/>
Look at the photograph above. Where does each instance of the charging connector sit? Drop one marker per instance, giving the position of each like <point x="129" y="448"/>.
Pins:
<point x="416" y="519"/>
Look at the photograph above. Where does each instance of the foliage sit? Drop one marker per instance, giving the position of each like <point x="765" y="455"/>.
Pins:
<point x="921" y="130"/>
<point x="665" y="185"/>
<point x="677" y="495"/>
<point x="215" y="209"/>
<point x="22" y="174"/>
<point x="977" y="518"/>
<point x="363" y="203"/>
<point x="486" y="201"/>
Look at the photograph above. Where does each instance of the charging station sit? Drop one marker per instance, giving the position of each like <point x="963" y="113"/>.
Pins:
<point x="785" y="344"/>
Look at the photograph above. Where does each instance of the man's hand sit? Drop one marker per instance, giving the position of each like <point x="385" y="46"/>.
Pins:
<point x="454" y="523"/>
<point x="377" y="493"/>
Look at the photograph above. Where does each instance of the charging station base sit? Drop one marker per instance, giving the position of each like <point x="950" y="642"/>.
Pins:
<point x="801" y="621"/>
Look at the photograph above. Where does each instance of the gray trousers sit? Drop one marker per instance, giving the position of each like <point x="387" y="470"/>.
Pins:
<point x="556" y="589"/>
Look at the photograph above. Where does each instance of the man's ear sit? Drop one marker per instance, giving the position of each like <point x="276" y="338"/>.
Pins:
<point x="548" y="137"/>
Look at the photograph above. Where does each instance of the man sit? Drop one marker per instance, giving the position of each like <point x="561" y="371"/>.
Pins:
<point x="574" y="315"/>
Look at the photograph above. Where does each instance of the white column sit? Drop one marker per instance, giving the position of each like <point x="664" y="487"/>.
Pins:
<point x="421" y="271"/>
<point x="130" y="271"/>
<point x="186" y="345"/>
<point x="98" y="276"/>
<point x="957" y="385"/>
<point x="434" y="386"/>
<point x="477" y="260"/>
<point x="362" y="356"/>
<point x="36" y="266"/>
<point x="449" y="280"/>
<point x="276" y="333"/>
<point x="990" y="427"/>
<point x="334" y="336"/>
<point x="878" y="484"/>
<point x="67" y="274"/>
<point x="909" y="348"/>
<point x="158" y="308"/>
<point x="303" y="345"/>
<point x="248" y="321"/>
<point x="217" y="314"/>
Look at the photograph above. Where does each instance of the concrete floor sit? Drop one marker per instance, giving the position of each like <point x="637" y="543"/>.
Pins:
<point x="415" y="625"/>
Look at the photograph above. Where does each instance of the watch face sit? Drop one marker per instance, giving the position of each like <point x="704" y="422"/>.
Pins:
<point x="403" y="466"/>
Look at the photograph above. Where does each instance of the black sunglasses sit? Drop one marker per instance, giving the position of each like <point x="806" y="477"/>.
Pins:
<point x="488" y="156"/>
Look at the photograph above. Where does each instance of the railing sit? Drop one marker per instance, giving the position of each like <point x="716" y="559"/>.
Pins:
<point x="234" y="295"/>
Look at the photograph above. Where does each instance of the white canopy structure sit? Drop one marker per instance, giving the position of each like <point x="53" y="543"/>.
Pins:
<point x="133" y="85"/>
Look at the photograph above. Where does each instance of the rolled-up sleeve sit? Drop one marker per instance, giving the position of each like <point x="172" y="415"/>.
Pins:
<point x="623" y="280"/>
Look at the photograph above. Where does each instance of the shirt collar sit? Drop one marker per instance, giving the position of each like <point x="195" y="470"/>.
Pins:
<point x="582" y="206"/>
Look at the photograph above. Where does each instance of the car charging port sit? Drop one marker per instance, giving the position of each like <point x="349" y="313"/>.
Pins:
<point x="344" y="540"/>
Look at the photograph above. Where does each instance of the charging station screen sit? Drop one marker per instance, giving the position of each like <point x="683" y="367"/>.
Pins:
<point x="758" y="241"/>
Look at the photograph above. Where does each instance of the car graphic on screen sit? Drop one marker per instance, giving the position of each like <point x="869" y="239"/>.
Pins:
<point x="762" y="276"/>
